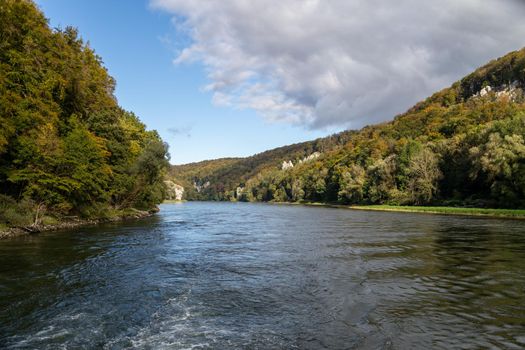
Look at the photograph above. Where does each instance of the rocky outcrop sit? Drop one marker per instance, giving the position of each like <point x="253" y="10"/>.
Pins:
<point x="198" y="186"/>
<point x="512" y="91"/>
<point x="485" y="91"/>
<point x="174" y="191"/>
<point x="287" y="165"/>
<point x="239" y="192"/>
<point x="312" y="156"/>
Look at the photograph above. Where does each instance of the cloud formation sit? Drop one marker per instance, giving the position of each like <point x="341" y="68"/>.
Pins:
<point x="345" y="63"/>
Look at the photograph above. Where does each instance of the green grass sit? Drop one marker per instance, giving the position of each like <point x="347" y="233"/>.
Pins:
<point x="487" y="212"/>
<point x="505" y="213"/>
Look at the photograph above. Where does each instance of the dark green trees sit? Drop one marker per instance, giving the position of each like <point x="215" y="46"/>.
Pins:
<point x="498" y="160"/>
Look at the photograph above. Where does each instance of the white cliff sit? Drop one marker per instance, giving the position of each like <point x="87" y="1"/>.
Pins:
<point x="173" y="190"/>
<point x="511" y="91"/>
<point x="312" y="156"/>
<point x="287" y="165"/>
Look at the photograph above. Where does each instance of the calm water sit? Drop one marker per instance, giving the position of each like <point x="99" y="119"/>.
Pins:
<point x="256" y="276"/>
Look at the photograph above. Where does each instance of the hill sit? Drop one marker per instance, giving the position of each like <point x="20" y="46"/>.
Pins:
<point x="464" y="145"/>
<point x="66" y="147"/>
<point x="218" y="179"/>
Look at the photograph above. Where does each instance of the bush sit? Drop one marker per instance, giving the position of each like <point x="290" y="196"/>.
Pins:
<point x="13" y="213"/>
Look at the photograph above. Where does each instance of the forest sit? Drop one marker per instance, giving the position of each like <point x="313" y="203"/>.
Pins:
<point x="463" y="146"/>
<point x="66" y="147"/>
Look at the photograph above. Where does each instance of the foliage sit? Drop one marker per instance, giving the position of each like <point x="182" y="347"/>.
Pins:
<point x="463" y="144"/>
<point x="65" y="144"/>
<point x="15" y="213"/>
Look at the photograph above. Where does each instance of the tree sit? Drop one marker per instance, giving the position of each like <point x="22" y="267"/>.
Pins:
<point x="423" y="174"/>
<point x="381" y="181"/>
<point x="148" y="172"/>
<point x="314" y="181"/>
<point x="501" y="160"/>
<point x="84" y="164"/>
<point x="351" y="184"/>
<point x="297" y="190"/>
<point x="65" y="144"/>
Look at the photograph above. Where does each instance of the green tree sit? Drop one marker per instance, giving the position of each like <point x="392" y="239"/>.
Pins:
<point x="424" y="174"/>
<point x="381" y="182"/>
<point x="351" y="184"/>
<point x="65" y="144"/>
<point x="501" y="160"/>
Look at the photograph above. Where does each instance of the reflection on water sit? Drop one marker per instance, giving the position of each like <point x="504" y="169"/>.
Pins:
<point x="255" y="276"/>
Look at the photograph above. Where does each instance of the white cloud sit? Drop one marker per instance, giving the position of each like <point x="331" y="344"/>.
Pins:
<point x="340" y="62"/>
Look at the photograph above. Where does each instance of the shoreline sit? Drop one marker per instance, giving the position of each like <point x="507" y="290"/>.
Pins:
<point x="12" y="232"/>
<point x="514" y="214"/>
<point x="491" y="213"/>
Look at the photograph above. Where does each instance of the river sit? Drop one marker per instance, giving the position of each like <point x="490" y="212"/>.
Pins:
<point x="260" y="276"/>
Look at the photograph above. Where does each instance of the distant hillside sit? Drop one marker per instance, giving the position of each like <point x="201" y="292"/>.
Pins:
<point x="463" y="145"/>
<point x="226" y="174"/>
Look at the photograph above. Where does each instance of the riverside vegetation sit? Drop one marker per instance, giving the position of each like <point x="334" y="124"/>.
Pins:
<point x="68" y="150"/>
<point x="66" y="147"/>
<point x="463" y="146"/>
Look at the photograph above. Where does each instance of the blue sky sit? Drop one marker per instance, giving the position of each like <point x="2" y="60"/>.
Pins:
<point x="235" y="77"/>
<point x="138" y="45"/>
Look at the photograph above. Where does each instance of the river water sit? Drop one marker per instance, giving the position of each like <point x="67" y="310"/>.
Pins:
<point x="261" y="276"/>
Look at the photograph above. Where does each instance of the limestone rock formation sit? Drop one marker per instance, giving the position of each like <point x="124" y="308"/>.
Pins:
<point x="287" y="165"/>
<point x="174" y="191"/>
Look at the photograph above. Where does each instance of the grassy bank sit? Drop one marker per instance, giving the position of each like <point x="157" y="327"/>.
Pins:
<point x="484" y="212"/>
<point x="500" y="213"/>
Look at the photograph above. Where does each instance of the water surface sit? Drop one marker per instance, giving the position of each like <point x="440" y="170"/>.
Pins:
<point x="259" y="276"/>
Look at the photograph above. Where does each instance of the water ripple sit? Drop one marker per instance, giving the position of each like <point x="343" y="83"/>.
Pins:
<point x="255" y="276"/>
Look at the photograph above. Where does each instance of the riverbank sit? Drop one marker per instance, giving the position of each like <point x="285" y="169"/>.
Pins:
<point x="463" y="211"/>
<point x="73" y="222"/>
<point x="485" y="212"/>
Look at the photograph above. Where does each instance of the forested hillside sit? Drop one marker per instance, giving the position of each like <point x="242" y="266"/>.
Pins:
<point x="66" y="147"/>
<point x="462" y="146"/>
<point x="218" y="179"/>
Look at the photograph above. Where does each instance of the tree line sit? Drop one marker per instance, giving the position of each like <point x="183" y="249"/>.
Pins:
<point x="66" y="146"/>
<point x="462" y="146"/>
